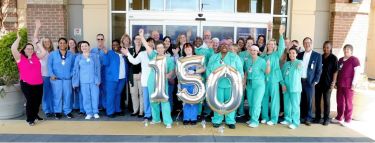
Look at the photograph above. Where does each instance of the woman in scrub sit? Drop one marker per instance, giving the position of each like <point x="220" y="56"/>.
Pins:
<point x="224" y="57"/>
<point x="256" y="69"/>
<point x="86" y="75"/>
<point x="273" y="54"/>
<point x="155" y="106"/>
<point x="292" y="88"/>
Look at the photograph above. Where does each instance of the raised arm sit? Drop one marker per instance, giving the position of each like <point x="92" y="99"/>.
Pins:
<point x="16" y="54"/>
<point x="131" y="59"/>
<point x="281" y="47"/>
<point x="40" y="51"/>
<point x="144" y="42"/>
<point x="269" y="29"/>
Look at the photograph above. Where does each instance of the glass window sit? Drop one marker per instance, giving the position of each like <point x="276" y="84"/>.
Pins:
<point x="277" y="21"/>
<point x="254" y="6"/>
<point x="118" y="5"/>
<point x="146" y="4"/>
<point x="245" y="32"/>
<point x="182" y="5"/>
<point x="280" y="7"/>
<point x="174" y="30"/>
<point x="118" y="25"/>
<point x="218" y="5"/>
<point x="147" y="30"/>
<point x="220" y="32"/>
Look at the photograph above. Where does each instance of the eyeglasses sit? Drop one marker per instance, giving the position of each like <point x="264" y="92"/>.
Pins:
<point x="100" y="39"/>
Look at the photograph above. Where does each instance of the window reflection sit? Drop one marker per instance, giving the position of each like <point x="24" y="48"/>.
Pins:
<point x="146" y="4"/>
<point x="220" y="32"/>
<point x="254" y="6"/>
<point x="218" y="5"/>
<point x="245" y="32"/>
<point x="118" y="25"/>
<point x="147" y="30"/>
<point x="280" y="7"/>
<point x="174" y="30"/>
<point x="182" y="5"/>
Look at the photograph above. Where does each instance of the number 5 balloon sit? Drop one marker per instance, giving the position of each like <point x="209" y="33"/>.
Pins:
<point x="184" y="78"/>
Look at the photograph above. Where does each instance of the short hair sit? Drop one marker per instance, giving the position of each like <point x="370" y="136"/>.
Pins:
<point x="100" y="34"/>
<point x="348" y="46"/>
<point x="24" y="47"/>
<point x="296" y="41"/>
<point x="64" y="39"/>
<point x="216" y="39"/>
<point x="188" y="45"/>
<point x="123" y="37"/>
<point x="307" y="38"/>
<point x="293" y="48"/>
<point x="150" y="39"/>
<point x="84" y="42"/>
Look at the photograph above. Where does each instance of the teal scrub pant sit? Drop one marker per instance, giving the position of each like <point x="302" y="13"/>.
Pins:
<point x="272" y="91"/>
<point x="255" y="92"/>
<point x="292" y="107"/>
<point x="241" y="109"/>
<point x="166" y="112"/>
<point x="224" y="94"/>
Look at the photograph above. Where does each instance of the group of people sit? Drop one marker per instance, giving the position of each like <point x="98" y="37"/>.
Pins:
<point x="280" y="78"/>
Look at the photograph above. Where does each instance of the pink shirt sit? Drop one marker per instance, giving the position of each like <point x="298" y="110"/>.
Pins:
<point x="30" y="70"/>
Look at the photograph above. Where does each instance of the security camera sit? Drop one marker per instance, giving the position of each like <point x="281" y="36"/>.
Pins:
<point x="200" y="14"/>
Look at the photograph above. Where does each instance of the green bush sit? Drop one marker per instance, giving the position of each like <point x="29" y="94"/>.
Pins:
<point x="8" y="66"/>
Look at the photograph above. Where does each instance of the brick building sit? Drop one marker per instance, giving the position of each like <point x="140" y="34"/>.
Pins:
<point x="341" y="21"/>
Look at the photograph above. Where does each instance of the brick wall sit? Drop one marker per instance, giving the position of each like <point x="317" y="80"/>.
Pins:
<point x="53" y="15"/>
<point x="10" y="22"/>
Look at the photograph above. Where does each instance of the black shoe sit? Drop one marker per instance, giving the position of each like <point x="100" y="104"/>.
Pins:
<point x="49" y="115"/>
<point x="147" y="118"/>
<point x="120" y="113"/>
<point x="31" y="123"/>
<point x="193" y="122"/>
<point x="231" y="126"/>
<point x="326" y="123"/>
<point x="140" y="116"/>
<point x="185" y="122"/>
<point x="216" y="125"/>
<point x="39" y="118"/>
<point x="317" y="121"/>
<point x="81" y="113"/>
<point x="111" y="116"/>
<point x="133" y="114"/>
<point x="58" y="116"/>
<point x="69" y="116"/>
<point x="308" y="123"/>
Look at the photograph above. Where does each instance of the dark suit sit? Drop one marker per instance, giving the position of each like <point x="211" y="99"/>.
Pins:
<point x="314" y="70"/>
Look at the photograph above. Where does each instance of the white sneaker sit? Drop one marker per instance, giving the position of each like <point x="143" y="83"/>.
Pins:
<point x="344" y="124"/>
<point x="252" y="125"/>
<point x="168" y="126"/>
<point x="270" y="123"/>
<point x="291" y="126"/>
<point x="88" y="117"/>
<point x="96" y="116"/>
<point x="263" y="121"/>
<point x="284" y="123"/>
<point x="334" y="120"/>
<point x="153" y="122"/>
<point x="248" y="122"/>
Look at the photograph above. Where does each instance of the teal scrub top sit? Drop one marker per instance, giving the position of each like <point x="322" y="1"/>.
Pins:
<point x="255" y="69"/>
<point x="230" y="59"/>
<point x="275" y="73"/>
<point x="151" y="79"/>
<point x="292" y="73"/>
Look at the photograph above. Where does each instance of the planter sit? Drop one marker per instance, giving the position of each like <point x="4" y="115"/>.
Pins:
<point x="12" y="104"/>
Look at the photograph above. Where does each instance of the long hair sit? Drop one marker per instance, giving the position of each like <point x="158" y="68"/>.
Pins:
<point x="75" y="43"/>
<point x="329" y="43"/>
<point x="122" y="39"/>
<point x="188" y="45"/>
<point x="50" y="48"/>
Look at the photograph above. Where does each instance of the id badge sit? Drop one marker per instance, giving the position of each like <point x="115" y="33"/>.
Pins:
<point x="88" y="60"/>
<point x="340" y="66"/>
<point x="287" y="72"/>
<point x="250" y="70"/>
<point x="312" y="66"/>
<point x="63" y="62"/>
<point x="31" y="62"/>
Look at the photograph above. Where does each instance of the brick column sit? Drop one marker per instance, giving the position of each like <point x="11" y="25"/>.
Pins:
<point x="10" y="22"/>
<point x="350" y="25"/>
<point x="53" y="15"/>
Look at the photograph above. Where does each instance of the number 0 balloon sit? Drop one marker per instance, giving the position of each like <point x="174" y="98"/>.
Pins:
<point x="236" y="91"/>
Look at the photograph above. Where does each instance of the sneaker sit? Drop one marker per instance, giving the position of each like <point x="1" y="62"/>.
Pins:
<point x="39" y="118"/>
<point x="345" y="124"/>
<point x="185" y="122"/>
<point x="231" y="126"/>
<point x="154" y="122"/>
<point x="81" y="113"/>
<point x="69" y="116"/>
<point x="215" y="125"/>
<point x="58" y="116"/>
<point x="240" y="115"/>
<point x="193" y="122"/>
<point x="96" y="116"/>
<point x="111" y="116"/>
<point x="168" y="126"/>
<point x="88" y="117"/>
<point x="308" y="123"/>
<point x="325" y="123"/>
<point x="334" y="120"/>
<point x="247" y="122"/>
<point x="291" y="126"/>
<point x="49" y="115"/>
<point x="140" y="116"/>
<point x="263" y="121"/>
<point x="32" y="123"/>
<point x="253" y="125"/>
<point x="284" y="123"/>
<point x="270" y="123"/>
<point x="317" y="121"/>
<point x="134" y="114"/>
<point x="120" y="113"/>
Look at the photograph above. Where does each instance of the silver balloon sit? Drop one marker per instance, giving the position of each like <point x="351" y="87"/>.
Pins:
<point x="196" y="80"/>
<point x="159" y="65"/>
<point x="235" y="78"/>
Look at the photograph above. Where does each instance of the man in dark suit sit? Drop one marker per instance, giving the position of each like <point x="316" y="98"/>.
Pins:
<point x="312" y="69"/>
